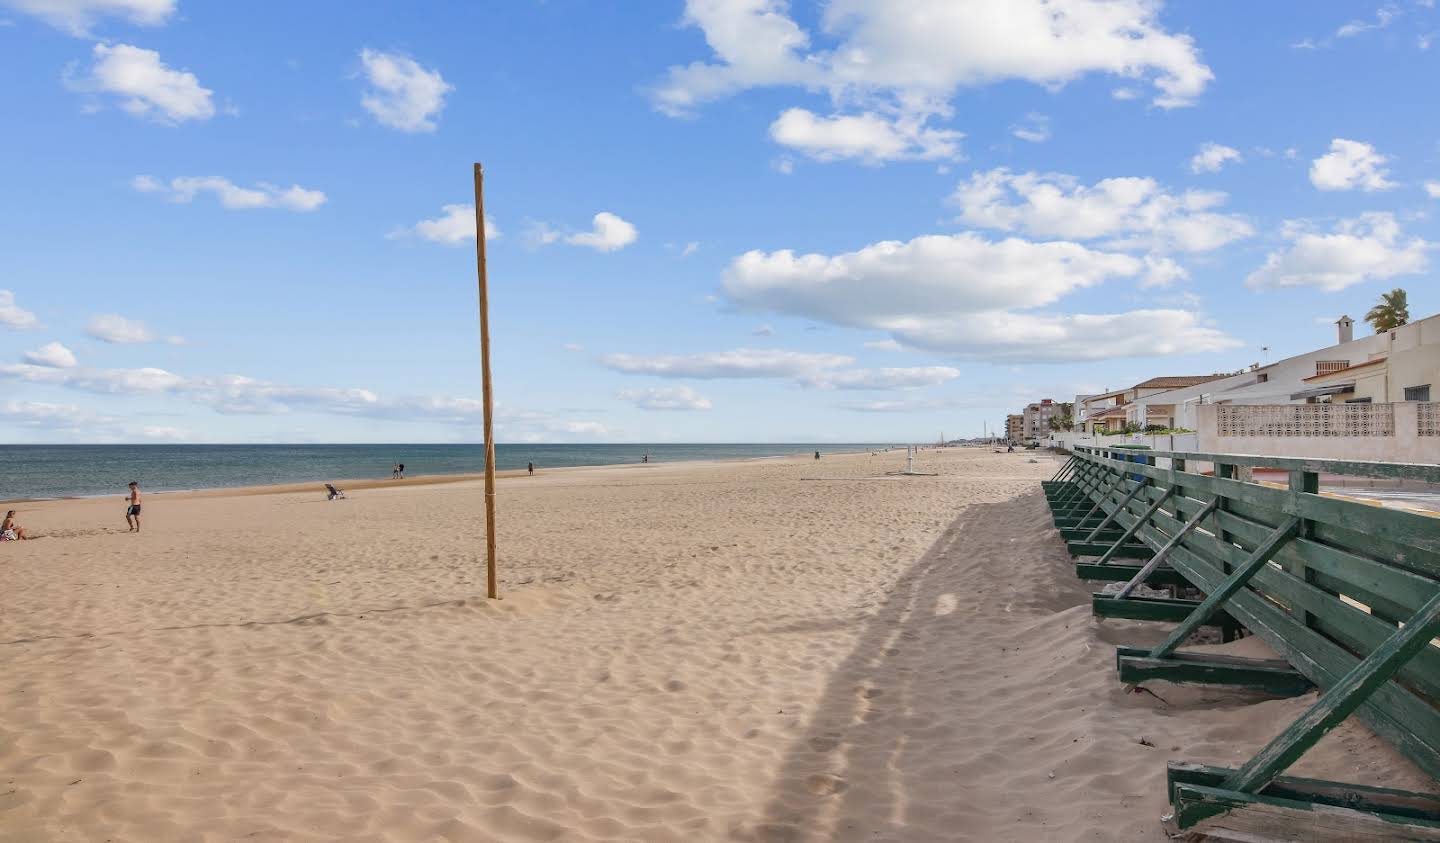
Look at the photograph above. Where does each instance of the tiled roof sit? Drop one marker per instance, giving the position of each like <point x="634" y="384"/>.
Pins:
<point x="1177" y="382"/>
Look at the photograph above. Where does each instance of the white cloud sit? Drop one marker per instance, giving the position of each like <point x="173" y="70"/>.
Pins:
<point x="117" y="329"/>
<point x="1383" y="16"/>
<point x="454" y="226"/>
<point x="665" y="398"/>
<point x="763" y="331"/>
<point x="1350" y="165"/>
<point x="1036" y="338"/>
<point x="78" y="16"/>
<point x="958" y="295"/>
<point x="1432" y="188"/>
<point x="231" y="195"/>
<point x="1162" y="272"/>
<point x="1369" y="247"/>
<point x="884" y="345"/>
<point x="1213" y="156"/>
<point x="819" y="370"/>
<point x="869" y="137"/>
<point x="740" y="363"/>
<point x="888" y="378"/>
<point x="52" y="354"/>
<point x="1035" y="128"/>
<point x="690" y="248"/>
<point x="931" y="49"/>
<point x="238" y="394"/>
<point x="1131" y="212"/>
<point x="403" y="95"/>
<point x="572" y="346"/>
<point x="13" y="316"/>
<point x="145" y="85"/>
<point x="939" y="274"/>
<point x="608" y="233"/>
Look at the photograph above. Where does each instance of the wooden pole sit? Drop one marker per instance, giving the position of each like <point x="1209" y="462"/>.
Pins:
<point x="492" y="587"/>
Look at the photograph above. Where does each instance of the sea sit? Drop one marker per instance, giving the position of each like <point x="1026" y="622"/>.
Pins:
<point x="39" y="472"/>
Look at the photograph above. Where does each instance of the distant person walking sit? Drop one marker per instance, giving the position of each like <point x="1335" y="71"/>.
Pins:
<point x="132" y="511"/>
<point x="531" y="467"/>
<point x="394" y="470"/>
<point x="401" y="467"/>
<point x="817" y="455"/>
<point x="9" y="530"/>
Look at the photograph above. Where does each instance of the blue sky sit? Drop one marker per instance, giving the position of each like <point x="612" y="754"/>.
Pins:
<point x="721" y="220"/>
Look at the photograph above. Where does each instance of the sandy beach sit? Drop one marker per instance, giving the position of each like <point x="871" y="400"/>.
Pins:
<point x="769" y="650"/>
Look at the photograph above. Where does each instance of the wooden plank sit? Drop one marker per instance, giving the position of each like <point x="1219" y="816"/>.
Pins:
<point x="1272" y="676"/>
<point x="1233" y="583"/>
<point x="1425" y="472"/>
<point x="1210" y="813"/>
<point x="1111" y="517"/>
<point x="1163" y="552"/>
<point x="1400" y="803"/>
<point x="1404" y="528"/>
<point x="1397" y="715"/>
<point x="1411" y="725"/>
<point x="1121" y="573"/>
<point x="1147" y="609"/>
<point x="1132" y="529"/>
<point x="1082" y="534"/>
<point x="1132" y="550"/>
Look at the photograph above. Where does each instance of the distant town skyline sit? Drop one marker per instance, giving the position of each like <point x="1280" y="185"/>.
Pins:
<point x="710" y="221"/>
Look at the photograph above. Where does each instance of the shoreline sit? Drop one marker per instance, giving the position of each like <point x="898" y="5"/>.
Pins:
<point x="363" y="483"/>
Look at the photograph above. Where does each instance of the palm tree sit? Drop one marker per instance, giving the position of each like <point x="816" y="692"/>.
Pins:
<point x="1392" y="311"/>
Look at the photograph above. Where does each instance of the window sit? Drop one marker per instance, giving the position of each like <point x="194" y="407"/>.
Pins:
<point x="1325" y="367"/>
<point x="1417" y="393"/>
<point x="1263" y="378"/>
<point x="1357" y="400"/>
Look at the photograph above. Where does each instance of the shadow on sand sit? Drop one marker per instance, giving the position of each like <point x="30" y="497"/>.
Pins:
<point x="904" y="726"/>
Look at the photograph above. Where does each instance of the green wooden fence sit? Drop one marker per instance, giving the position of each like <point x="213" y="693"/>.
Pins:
<point x="1346" y="592"/>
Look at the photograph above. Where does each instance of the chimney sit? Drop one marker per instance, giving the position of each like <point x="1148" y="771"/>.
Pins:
<point x="1347" y="329"/>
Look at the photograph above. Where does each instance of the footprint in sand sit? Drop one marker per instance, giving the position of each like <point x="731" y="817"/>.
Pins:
<point x="825" y="784"/>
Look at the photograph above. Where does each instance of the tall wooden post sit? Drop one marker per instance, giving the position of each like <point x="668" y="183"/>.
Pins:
<point x="492" y="586"/>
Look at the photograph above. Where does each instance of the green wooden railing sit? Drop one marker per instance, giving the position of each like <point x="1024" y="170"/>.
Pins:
<point x="1347" y="593"/>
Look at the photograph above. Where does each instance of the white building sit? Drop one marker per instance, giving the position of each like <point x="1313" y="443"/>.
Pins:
<point x="1281" y="382"/>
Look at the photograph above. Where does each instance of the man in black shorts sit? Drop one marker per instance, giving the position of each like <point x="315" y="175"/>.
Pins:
<point x="132" y="512"/>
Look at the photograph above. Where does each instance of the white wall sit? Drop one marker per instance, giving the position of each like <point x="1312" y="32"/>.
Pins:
<point x="1405" y="446"/>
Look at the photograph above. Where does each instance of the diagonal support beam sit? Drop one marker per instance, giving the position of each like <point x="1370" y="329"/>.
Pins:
<point x="1339" y="700"/>
<point x="1233" y="583"/>
<point x="1164" y="551"/>
<point x="1130" y="531"/>
<point x="1070" y="463"/>
<point x="1079" y="483"/>
<point x="1111" y="517"/>
<point x="1104" y="493"/>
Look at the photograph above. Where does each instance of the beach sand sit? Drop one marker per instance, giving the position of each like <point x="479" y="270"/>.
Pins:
<point x="772" y="650"/>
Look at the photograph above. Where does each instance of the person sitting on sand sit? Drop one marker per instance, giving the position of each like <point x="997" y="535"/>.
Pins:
<point x="132" y="512"/>
<point x="9" y="530"/>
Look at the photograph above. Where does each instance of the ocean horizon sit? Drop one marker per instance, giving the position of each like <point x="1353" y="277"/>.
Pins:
<point x="44" y="472"/>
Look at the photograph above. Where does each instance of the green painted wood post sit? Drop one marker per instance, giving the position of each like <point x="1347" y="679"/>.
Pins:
<point x="1135" y="528"/>
<point x="1217" y="598"/>
<point x="1224" y="471"/>
<point x="1339" y="701"/>
<point x="1303" y="483"/>
<point x="1163" y="552"/>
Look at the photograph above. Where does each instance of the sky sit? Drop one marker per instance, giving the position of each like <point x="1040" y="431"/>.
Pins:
<point x="708" y="220"/>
